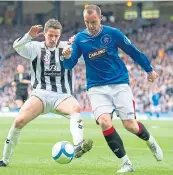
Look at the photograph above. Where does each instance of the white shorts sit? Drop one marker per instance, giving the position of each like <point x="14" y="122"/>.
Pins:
<point x="110" y="98"/>
<point x="155" y="108"/>
<point x="50" y="99"/>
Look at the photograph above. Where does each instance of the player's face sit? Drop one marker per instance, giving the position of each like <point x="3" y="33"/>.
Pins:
<point x="51" y="37"/>
<point x="92" y="22"/>
<point x="20" y="69"/>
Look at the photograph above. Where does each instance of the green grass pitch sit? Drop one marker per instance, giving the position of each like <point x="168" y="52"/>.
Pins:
<point x="32" y="155"/>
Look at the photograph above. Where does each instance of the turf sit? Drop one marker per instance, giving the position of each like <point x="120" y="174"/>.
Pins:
<point x="32" y="155"/>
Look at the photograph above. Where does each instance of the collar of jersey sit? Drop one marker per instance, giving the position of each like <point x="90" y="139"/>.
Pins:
<point x="48" y="48"/>
<point x="97" y="33"/>
<point x="51" y="49"/>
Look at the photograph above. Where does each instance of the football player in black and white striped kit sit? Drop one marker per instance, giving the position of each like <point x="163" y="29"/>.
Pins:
<point x="52" y="87"/>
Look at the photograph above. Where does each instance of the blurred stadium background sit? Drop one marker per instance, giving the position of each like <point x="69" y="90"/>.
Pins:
<point x="148" y="24"/>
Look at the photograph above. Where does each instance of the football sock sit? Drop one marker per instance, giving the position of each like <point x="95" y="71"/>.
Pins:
<point x="11" y="141"/>
<point x="143" y="133"/>
<point x="114" y="141"/>
<point x="126" y="159"/>
<point x="76" y="128"/>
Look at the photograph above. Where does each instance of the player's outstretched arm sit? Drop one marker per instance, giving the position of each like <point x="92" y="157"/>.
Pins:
<point x="24" y="46"/>
<point x="128" y="47"/>
<point x="140" y="58"/>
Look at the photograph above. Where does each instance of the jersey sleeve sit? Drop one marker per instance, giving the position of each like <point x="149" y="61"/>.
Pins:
<point x="25" y="47"/>
<point x="126" y="45"/>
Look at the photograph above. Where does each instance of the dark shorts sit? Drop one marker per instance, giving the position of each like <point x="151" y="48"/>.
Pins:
<point x="22" y="96"/>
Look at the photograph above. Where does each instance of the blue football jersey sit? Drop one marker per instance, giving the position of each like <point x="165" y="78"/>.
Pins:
<point x="100" y="52"/>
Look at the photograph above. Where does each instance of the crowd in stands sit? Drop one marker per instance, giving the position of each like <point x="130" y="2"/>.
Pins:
<point x="7" y="70"/>
<point x="155" y="41"/>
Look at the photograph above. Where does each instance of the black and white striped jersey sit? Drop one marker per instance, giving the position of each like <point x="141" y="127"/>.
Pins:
<point x="47" y="71"/>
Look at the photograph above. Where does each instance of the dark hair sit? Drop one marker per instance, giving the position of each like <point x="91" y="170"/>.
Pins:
<point x="52" y="23"/>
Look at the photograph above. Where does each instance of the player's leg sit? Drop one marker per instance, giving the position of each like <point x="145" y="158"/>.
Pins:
<point x="70" y="106"/>
<point x="19" y="101"/>
<point x="30" y="110"/>
<point x="157" y="111"/>
<point x="114" y="141"/>
<point x="125" y="108"/>
<point x="139" y="129"/>
<point x="103" y="113"/>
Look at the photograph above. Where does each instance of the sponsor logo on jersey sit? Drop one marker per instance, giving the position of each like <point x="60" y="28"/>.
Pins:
<point x="97" y="53"/>
<point x="106" y="39"/>
<point x="52" y="71"/>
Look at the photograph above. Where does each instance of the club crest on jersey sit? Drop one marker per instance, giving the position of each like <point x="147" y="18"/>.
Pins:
<point x="45" y="56"/>
<point x="97" y="53"/>
<point x="106" y="39"/>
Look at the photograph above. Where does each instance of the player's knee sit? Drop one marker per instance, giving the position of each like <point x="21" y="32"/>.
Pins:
<point x="105" y="121"/>
<point x="19" y="123"/>
<point x="76" y="109"/>
<point x="131" y="126"/>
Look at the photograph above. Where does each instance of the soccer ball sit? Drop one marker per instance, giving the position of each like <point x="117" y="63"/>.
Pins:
<point x="63" y="152"/>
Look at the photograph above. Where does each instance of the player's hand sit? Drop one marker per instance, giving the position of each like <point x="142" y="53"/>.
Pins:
<point x="72" y="39"/>
<point x="35" y="31"/>
<point x="152" y="76"/>
<point x="67" y="52"/>
<point x="13" y="83"/>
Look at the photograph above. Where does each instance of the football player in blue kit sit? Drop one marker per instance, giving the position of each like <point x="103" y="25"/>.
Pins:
<point x="108" y="81"/>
